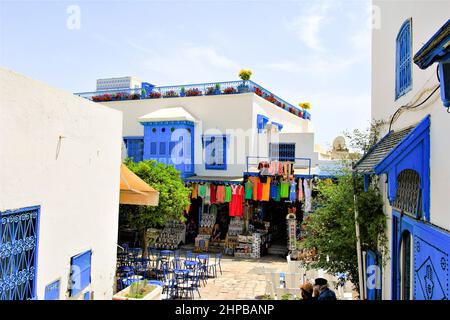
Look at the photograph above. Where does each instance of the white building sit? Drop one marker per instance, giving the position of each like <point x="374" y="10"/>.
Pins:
<point x="59" y="192"/>
<point x="118" y="83"/>
<point x="240" y="125"/>
<point x="413" y="157"/>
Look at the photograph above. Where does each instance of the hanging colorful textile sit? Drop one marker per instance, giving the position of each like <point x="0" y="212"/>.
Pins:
<point x="259" y="190"/>
<point x="235" y="205"/>
<point x="265" y="194"/>
<point x="284" y="189"/>
<point x="300" y="190"/>
<point x="273" y="189"/>
<point x="194" y="192"/>
<point x="207" y="198"/>
<point x="254" y="181"/>
<point x="213" y="191"/>
<point x="227" y="194"/>
<point x="293" y="191"/>
<point x="202" y="191"/>
<point x="308" y="190"/>
<point x="248" y="190"/>
<point x="220" y="194"/>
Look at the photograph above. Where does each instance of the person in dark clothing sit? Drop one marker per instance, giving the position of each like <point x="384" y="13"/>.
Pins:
<point x="325" y="293"/>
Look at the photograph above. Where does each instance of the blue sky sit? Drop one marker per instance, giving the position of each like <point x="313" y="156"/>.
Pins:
<point x="315" y="51"/>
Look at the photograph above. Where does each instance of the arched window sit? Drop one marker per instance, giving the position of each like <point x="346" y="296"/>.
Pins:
<point x="403" y="65"/>
<point x="405" y="266"/>
<point x="408" y="194"/>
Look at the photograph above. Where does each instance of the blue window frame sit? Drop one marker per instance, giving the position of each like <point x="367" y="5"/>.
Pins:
<point x="135" y="147"/>
<point x="215" y="150"/>
<point x="80" y="272"/>
<point x="19" y="235"/>
<point x="403" y="63"/>
<point x="261" y="122"/>
<point x="279" y="125"/>
<point x="282" y="151"/>
<point x="52" y="291"/>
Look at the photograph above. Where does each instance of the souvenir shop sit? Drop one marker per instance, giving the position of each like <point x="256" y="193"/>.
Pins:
<point x="244" y="218"/>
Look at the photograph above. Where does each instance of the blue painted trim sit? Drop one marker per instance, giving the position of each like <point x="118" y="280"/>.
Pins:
<point x="261" y="122"/>
<point x="133" y="137"/>
<point x="403" y="36"/>
<point x="436" y="48"/>
<point x="413" y="152"/>
<point x="52" y="290"/>
<point x="157" y="123"/>
<point x="279" y="125"/>
<point x="75" y="291"/>
<point x="226" y="142"/>
<point x="445" y="80"/>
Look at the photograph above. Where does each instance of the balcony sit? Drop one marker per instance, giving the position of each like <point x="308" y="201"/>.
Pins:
<point x="192" y="90"/>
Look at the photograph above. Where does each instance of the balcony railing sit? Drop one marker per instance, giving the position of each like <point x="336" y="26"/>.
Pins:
<point x="191" y="90"/>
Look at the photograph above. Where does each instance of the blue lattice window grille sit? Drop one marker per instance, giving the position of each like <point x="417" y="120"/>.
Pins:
<point x="80" y="272"/>
<point x="282" y="151"/>
<point x="135" y="147"/>
<point x="403" y="65"/>
<point x="261" y="122"/>
<point x="215" y="150"/>
<point x="52" y="291"/>
<point x="19" y="231"/>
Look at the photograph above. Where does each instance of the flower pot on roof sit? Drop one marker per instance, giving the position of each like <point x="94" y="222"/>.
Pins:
<point x="193" y="92"/>
<point x="182" y="92"/>
<point x="258" y="91"/>
<point x="170" y="94"/>
<point x="210" y="91"/>
<point x="154" y="95"/>
<point x="245" y="75"/>
<point x="217" y="89"/>
<point x="229" y="90"/>
<point x="141" y="290"/>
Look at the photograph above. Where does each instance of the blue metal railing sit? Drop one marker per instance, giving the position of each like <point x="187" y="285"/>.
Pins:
<point x="260" y="158"/>
<point x="200" y="89"/>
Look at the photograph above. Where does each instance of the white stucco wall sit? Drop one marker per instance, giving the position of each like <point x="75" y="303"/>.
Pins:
<point x="234" y="115"/>
<point x="427" y="18"/>
<point x="75" y="181"/>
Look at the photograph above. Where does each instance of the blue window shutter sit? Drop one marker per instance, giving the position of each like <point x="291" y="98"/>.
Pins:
<point x="261" y="122"/>
<point x="87" y="296"/>
<point x="52" y="291"/>
<point x="215" y="152"/>
<point x="403" y="69"/>
<point x="135" y="147"/>
<point x="80" y="272"/>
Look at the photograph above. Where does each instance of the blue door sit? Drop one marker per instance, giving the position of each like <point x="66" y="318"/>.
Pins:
<point x="18" y="253"/>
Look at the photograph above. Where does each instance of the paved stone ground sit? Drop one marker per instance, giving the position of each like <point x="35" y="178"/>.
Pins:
<point x="241" y="278"/>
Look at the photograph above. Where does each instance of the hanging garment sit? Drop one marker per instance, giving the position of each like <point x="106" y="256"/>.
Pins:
<point x="207" y="197"/>
<point x="235" y="205"/>
<point x="213" y="190"/>
<point x="265" y="194"/>
<point x="273" y="169"/>
<point x="248" y="190"/>
<point x="284" y="189"/>
<point x="300" y="190"/>
<point x="194" y="192"/>
<point x="202" y="191"/>
<point x="254" y="181"/>
<point x="293" y="191"/>
<point x="220" y="194"/>
<point x="278" y="198"/>
<point x="308" y="191"/>
<point x="227" y="194"/>
<point x="259" y="191"/>
<point x="280" y="168"/>
<point x="273" y="189"/>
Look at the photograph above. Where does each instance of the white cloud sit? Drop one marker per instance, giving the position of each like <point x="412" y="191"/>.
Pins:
<point x="307" y="30"/>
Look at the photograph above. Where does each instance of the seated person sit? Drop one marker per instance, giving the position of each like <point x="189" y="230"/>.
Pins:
<point x="215" y="237"/>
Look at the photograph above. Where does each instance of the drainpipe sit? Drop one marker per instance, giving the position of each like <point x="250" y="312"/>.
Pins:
<point x="358" y="242"/>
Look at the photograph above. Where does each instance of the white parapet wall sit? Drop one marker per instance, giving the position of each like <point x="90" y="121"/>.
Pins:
<point x="62" y="153"/>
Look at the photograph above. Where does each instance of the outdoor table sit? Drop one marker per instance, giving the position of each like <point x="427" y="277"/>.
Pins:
<point x="190" y="263"/>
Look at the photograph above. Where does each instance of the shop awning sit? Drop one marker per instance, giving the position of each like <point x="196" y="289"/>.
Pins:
<point x="134" y="190"/>
<point x="380" y="150"/>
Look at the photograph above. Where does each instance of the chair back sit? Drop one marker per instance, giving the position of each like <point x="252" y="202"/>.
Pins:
<point x="189" y="256"/>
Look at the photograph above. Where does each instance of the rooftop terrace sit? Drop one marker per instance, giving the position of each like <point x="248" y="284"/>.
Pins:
<point x="191" y="90"/>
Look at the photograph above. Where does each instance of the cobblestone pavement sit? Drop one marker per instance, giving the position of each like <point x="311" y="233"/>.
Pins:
<point x="241" y="278"/>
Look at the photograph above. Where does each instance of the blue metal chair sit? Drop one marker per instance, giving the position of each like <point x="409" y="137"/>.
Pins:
<point x="213" y="266"/>
<point x="189" y="256"/>
<point x="203" y="259"/>
<point x="193" y="283"/>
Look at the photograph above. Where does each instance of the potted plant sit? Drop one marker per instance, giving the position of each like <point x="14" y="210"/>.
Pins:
<point x="193" y="92"/>
<point x="210" y="91"/>
<point x="170" y="94"/>
<point x="229" y="90"/>
<point x="245" y="75"/>
<point x="140" y="290"/>
<point x="154" y="95"/>
<point x="182" y="92"/>
<point x="217" y="89"/>
<point x="258" y="91"/>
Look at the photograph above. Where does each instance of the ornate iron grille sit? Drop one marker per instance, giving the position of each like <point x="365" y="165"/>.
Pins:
<point x="407" y="199"/>
<point x="18" y="246"/>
